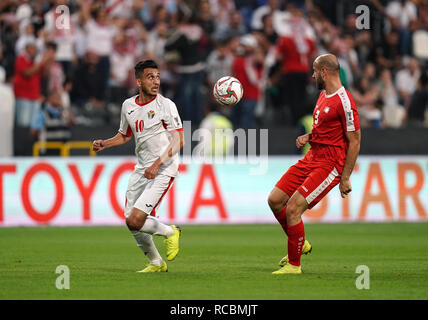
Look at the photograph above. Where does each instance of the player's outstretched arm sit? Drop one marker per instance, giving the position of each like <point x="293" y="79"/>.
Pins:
<point x="354" y="138"/>
<point x="117" y="140"/>
<point x="177" y="142"/>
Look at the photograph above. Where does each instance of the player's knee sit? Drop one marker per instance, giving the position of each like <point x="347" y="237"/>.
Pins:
<point x="133" y="223"/>
<point x="274" y="204"/>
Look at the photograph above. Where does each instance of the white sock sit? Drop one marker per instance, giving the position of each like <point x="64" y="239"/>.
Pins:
<point x="146" y="244"/>
<point x="154" y="226"/>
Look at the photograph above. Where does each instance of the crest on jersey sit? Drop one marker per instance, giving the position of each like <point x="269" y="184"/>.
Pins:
<point x="326" y="109"/>
<point x="151" y="114"/>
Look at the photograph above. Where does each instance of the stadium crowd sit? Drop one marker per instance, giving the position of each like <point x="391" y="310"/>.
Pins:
<point x="71" y="61"/>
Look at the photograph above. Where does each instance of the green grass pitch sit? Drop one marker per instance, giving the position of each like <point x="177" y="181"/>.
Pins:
<point x="216" y="262"/>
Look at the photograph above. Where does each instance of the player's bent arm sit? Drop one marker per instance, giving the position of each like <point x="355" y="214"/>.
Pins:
<point x="354" y="138"/>
<point x="177" y="142"/>
<point x="174" y="146"/>
<point x="117" y="140"/>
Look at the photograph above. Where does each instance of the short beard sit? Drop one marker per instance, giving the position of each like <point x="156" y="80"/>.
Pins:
<point x="147" y="92"/>
<point x="320" y="84"/>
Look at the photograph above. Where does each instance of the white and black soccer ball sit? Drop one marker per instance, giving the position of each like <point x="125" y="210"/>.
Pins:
<point x="228" y="91"/>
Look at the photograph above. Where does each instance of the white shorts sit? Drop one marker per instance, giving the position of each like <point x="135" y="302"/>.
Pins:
<point x="146" y="194"/>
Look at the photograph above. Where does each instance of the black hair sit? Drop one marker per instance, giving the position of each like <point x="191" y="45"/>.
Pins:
<point x="51" y="45"/>
<point x="141" y="65"/>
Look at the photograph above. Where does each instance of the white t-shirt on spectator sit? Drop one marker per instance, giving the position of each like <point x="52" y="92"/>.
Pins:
<point x="120" y="8"/>
<point x="407" y="82"/>
<point x="259" y="13"/>
<point x="156" y="44"/>
<point x="217" y="68"/>
<point x="7" y="99"/>
<point x="121" y="64"/>
<point x="100" y="37"/>
<point x="64" y="38"/>
<point x="404" y="14"/>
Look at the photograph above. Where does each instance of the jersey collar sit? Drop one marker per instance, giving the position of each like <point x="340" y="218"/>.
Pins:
<point x="143" y="104"/>
<point x="332" y="94"/>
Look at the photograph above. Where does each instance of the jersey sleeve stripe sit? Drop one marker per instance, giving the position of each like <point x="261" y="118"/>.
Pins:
<point x="349" y="115"/>
<point x="128" y="132"/>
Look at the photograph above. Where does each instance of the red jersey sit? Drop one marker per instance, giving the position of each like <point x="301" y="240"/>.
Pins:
<point x="240" y="71"/>
<point x="334" y="115"/>
<point x="293" y="61"/>
<point x="26" y="87"/>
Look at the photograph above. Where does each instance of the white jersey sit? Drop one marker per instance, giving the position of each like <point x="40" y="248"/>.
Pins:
<point x="150" y="123"/>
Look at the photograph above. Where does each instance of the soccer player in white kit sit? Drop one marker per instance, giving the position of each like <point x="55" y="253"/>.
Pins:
<point x="154" y="122"/>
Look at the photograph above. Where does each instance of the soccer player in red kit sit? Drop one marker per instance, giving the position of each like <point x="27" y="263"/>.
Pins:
<point x="335" y="144"/>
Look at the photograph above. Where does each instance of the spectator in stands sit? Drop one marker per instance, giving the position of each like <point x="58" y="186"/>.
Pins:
<point x="422" y="8"/>
<point x="85" y="82"/>
<point x="249" y="70"/>
<point x="2" y="69"/>
<point x="6" y="117"/>
<point x="219" y="63"/>
<point x="388" y="53"/>
<point x="119" y="8"/>
<point x="417" y="107"/>
<point x="54" y="76"/>
<point x="206" y="19"/>
<point x="100" y="33"/>
<point x="52" y="122"/>
<point x="402" y="15"/>
<point x="369" y="72"/>
<point x="156" y="40"/>
<point x="27" y="82"/>
<point x="296" y="51"/>
<point x="235" y="28"/>
<point x="351" y="56"/>
<point x="26" y="34"/>
<point x="268" y="29"/>
<point x="62" y="31"/>
<point x="221" y="11"/>
<point x="122" y="65"/>
<point x="350" y="26"/>
<point x="364" y="47"/>
<point x="207" y="22"/>
<point x="185" y="40"/>
<point x="406" y="80"/>
<point x="271" y="7"/>
<point x="392" y="112"/>
<point x="366" y="96"/>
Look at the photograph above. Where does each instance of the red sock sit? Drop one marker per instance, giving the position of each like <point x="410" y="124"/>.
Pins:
<point x="296" y="238"/>
<point x="282" y="219"/>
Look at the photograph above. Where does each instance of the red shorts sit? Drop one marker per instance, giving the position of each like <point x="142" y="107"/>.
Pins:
<point x="313" y="179"/>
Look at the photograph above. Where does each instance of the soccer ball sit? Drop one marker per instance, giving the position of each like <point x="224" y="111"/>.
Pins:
<point x="228" y="91"/>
